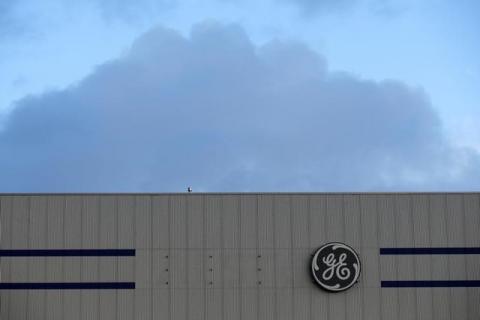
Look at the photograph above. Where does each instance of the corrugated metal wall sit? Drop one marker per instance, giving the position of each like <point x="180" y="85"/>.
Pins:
<point x="238" y="256"/>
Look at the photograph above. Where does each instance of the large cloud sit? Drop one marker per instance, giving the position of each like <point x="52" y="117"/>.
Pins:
<point x="218" y="113"/>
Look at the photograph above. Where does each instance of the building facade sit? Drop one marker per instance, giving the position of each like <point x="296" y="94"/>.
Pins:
<point x="240" y="256"/>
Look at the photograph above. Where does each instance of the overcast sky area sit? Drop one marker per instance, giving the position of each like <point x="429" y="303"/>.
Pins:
<point x="230" y="95"/>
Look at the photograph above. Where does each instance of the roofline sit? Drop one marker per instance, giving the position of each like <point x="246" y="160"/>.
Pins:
<point x="233" y="193"/>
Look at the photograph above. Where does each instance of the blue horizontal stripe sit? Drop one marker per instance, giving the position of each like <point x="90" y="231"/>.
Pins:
<point x="431" y="284"/>
<point x="69" y="253"/>
<point x="407" y="251"/>
<point x="68" y="286"/>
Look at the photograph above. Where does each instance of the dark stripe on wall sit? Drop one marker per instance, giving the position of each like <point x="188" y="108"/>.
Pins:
<point x="69" y="253"/>
<point x="406" y="251"/>
<point x="69" y="286"/>
<point x="431" y="284"/>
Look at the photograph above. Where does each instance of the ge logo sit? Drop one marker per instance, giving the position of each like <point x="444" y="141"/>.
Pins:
<point x="335" y="267"/>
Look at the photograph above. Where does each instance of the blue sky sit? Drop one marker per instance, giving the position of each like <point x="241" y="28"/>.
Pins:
<point x="229" y="95"/>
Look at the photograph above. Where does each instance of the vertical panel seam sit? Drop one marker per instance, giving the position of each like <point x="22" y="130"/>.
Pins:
<point x="29" y="207"/>
<point x="275" y="298"/>
<point x="45" y="260"/>
<point x="429" y="208"/>
<point x="344" y="237"/>
<point x="204" y="259"/>
<point x="222" y="255"/>
<point x="380" y="302"/>
<point x="325" y="228"/>
<point x="240" y="296"/>
<point x="309" y="235"/>
<point x="257" y="226"/>
<point x="134" y="220"/>
<point x="99" y="225"/>
<point x="169" y="258"/>
<point x="82" y="260"/>
<point x="465" y="259"/>
<point x="445" y="220"/>
<point x="115" y="208"/>
<point x="360" y="222"/>
<point x="187" y="252"/>
<point x="292" y="260"/>
<point x="415" y="290"/>
<point x="150" y="203"/>
<point x="291" y="254"/>
<point x="395" y="237"/>
<point x="64" y="245"/>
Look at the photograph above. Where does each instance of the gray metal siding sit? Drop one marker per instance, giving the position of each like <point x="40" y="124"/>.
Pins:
<point x="238" y="256"/>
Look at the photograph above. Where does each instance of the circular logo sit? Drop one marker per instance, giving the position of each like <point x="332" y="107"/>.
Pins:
<point x="335" y="267"/>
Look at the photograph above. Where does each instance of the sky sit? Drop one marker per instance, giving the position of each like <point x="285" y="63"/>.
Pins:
<point x="230" y="95"/>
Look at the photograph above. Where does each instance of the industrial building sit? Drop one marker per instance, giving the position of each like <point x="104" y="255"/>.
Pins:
<point x="235" y="256"/>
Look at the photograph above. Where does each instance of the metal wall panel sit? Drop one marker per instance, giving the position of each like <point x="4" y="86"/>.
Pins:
<point x="36" y="307"/>
<point x="335" y="224"/>
<point x="267" y="299"/>
<point x="456" y="264"/>
<point x="90" y="265"/>
<point x="353" y="232"/>
<point x="388" y="269"/>
<point x="107" y="266"/>
<point x="423" y="265"/>
<point x="371" y="271"/>
<point x="237" y="256"/>
<point x="5" y="242"/>
<point x="318" y="236"/>
<point x="472" y="239"/>
<point x="438" y="238"/>
<point x="407" y="304"/>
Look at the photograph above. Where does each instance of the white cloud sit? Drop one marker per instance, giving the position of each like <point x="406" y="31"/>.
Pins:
<point x="217" y="112"/>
